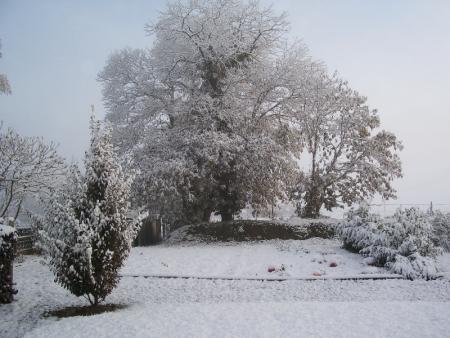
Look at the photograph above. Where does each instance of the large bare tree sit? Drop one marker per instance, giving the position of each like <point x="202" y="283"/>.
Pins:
<point x="215" y="115"/>
<point x="27" y="166"/>
<point x="203" y="113"/>
<point x="348" y="157"/>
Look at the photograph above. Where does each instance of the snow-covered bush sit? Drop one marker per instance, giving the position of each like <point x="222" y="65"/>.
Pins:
<point x="85" y="230"/>
<point x="8" y="238"/>
<point x="441" y="229"/>
<point x="402" y="243"/>
<point x="359" y="228"/>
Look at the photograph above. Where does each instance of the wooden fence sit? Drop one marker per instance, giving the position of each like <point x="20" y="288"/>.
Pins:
<point x="153" y="231"/>
<point x="25" y="241"/>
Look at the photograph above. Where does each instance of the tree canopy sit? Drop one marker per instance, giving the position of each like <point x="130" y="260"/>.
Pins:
<point x="216" y="114"/>
<point x="349" y="158"/>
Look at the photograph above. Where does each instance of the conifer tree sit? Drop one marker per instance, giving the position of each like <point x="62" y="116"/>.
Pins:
<point x="85" y="231"/>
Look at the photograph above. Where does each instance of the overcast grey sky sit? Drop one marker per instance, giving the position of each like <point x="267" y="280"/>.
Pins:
<point x="397" y="53"/>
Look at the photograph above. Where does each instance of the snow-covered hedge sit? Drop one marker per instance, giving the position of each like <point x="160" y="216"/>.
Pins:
<point x="253" y="230"/>
<point x="441" y="229"/>
<point x="403" y="243"/>
<point x="8" y="237"/>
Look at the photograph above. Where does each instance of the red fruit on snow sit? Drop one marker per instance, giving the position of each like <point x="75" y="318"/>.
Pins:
<point x="271" y="269"/>
<point x="333" y="264"/>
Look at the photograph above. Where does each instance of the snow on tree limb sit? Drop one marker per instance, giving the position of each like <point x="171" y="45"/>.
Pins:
<point x="350" y="159"/>
<point x="203" y="112"/>
<point x="216" y="114"/>
<point x="28" y="166"/>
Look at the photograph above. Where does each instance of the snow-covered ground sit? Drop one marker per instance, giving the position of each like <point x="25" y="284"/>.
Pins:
<point x="159" y="307"/>
<point x="288" y="259"/>
<point x="269" y="319"/>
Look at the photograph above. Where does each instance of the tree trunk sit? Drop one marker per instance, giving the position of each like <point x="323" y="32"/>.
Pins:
<point x="18" y="209"/>
<point x="10" y="198"/>
<point x="206" y="216"/>
<point x="226" y="216"/>
<point x="313" y="205"/>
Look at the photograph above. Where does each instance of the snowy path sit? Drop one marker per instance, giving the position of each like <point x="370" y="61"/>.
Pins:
<point x="209" y="308"/>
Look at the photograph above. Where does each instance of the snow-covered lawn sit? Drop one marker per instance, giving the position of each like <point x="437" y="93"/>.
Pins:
<point x="268" y="319"/>
<point x="288" y="259"/>
<point x="159" y="307"/>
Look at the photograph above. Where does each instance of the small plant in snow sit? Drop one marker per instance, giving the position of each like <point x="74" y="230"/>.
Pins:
<point x="402" y="243"/>
<point x="85" y="230"/>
